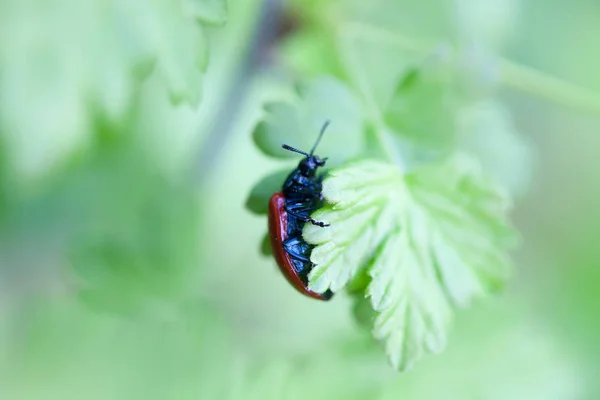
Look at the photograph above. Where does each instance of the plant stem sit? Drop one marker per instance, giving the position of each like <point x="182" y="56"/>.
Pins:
<point x="254" y="43"/>
<point x="548" y="87"/>
<point x="518" y="76"/>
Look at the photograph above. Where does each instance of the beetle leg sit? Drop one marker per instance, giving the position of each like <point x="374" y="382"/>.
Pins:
<point x="312" y="221"/>
<point x="318" y="223"/>
<point x="306" y="218"/>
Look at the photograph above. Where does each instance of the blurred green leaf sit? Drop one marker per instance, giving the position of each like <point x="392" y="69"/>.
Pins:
<point x="311" y="52"/>
<point x="265" y="246"/>
<point x="92" y="55"/>
<point x="488" y="132"/>
<point x="127" y="233"/>
<point x="145" y="252"/>
<point x="431" y="240"/>
<point x="298" y="124"/>
<point x="363" y="312"/>
<point x="373" y="67"/>
<point x="209" y="11"/>
<point x="258" y="200"/>
<point x="490" y="22"/>
<point x="423" y="110"/>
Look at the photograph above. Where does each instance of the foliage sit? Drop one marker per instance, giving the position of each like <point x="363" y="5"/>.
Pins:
<point x="428" y="229"/>
<point x="429" y="240"/>
<point x="63" y="73"/>
<point x="122" y="277"/>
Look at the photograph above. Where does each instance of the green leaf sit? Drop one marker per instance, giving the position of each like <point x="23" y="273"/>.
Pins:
<point x="94" y="55"/>
<point x="128" y="245"/>
<point x="258" y="200"/>
<point x="439" y="107"/>
<point x="363" y="312"/>
<point x="209" y="11"/>
<point x="170" y="32"/>
<point x="298" y="123"/>
<point x="374" y="68"/>
<point x="265" y="246"/>
<point x="422" y="109"/>
<point x="311" y="53"/>
<point x="430" y="240"/>
<point x="491" y="23"/>
<point x="488" y="132"/>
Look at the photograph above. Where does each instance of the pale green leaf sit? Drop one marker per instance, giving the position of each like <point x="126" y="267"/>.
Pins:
<point x="489" y="132"/>
<point x="311" y="52"/>
<point x="491" y="22"/>
<point x="90" y="58"/>
<point x="298" y="123"/>
<point x="430" y="240"/>
<point x="258" y="199"/>
<point x="422" y="109"/>
<point x="209" y="11"/>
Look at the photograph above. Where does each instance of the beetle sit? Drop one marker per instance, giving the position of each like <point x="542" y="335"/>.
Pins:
<point x="289" y="210"/>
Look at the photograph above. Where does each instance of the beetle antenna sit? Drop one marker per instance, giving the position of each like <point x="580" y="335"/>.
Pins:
<point x="290" y="148"/>
<point x="325" y="125"/>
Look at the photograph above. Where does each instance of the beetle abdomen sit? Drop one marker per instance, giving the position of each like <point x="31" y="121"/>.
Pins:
<point x="295" y="270"/>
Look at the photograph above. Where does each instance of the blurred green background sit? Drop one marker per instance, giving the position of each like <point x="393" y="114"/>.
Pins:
<point x="130" y="268"/>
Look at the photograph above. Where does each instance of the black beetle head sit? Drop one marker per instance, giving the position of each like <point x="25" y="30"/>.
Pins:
<point x="309" y="165"/>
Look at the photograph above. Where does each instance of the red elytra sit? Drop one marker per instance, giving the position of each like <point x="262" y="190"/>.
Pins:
<point x="278" y="221"/>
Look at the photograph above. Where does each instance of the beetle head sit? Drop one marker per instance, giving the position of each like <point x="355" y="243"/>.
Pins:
<point x="309" y="165"/>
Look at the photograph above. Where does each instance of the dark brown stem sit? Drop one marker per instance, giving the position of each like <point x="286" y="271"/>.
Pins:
<point x="265" y="34"/>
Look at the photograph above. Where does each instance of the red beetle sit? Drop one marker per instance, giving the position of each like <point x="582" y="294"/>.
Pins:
<point x="289" y="210"/>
